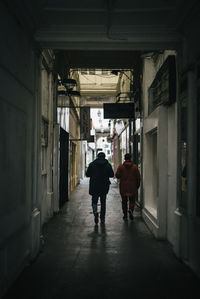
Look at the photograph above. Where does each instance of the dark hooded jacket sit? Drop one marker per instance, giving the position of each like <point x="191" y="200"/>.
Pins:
<point x="99" y="172"/>
<point x="129" y="176"/>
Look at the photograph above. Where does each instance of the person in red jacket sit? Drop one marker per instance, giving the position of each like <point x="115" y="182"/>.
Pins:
<point x="129" y="177"/>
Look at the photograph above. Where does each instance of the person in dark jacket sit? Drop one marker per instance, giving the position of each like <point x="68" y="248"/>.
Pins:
<point x="129" y="176"/>
<point x="99" y="172"/>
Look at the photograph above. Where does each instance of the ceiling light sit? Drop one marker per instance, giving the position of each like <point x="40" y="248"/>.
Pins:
<point x="62" y="93"/>
<point x="69" y="92"/>
<point x="74" y="93"/>
<point x="69" y="83"/>
<point x="115" y="72"/>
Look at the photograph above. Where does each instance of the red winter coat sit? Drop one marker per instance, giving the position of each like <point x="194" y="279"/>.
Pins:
<point x="129" y="176"/>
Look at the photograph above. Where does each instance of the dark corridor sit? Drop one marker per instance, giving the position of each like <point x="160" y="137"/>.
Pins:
<point x="118" y="260"/>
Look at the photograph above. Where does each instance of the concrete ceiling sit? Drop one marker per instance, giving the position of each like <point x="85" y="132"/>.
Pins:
<point x="105" y="24"/>
<point x="110" y="24"/>
<point x="106" y="59"/>
<point x="104" y="33"/>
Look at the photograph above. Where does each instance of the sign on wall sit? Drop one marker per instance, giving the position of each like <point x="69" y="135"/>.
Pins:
<point x="85" y="123"/>
<point x="119" y="110"/>
<point x="163" y="88"/>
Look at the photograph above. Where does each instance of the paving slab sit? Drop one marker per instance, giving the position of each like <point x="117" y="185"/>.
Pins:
<point x="116" y="260"/>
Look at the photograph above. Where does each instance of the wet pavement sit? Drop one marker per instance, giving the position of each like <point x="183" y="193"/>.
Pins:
<point x="116" y="260"/>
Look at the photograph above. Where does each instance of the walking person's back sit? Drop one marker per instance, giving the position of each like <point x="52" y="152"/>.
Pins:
<point x="99" y="172"/>
<point x="129" y="177"/>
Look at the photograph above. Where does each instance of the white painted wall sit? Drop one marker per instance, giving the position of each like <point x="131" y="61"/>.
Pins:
<point x="159" y="161"/>
<point x="172" y="173"/>
<point x="63" y="118"/>
<point x="47" y="110"/>
<point x="150" y="130"/>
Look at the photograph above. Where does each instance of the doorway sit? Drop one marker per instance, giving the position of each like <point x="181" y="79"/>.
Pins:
<point x="64" y="153"/>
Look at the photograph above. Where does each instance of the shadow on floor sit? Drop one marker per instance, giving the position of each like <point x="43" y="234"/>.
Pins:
<point x="116" y="260"/>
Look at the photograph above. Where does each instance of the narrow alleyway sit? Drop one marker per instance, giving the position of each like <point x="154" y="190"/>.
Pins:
<point x="118" y="260"/>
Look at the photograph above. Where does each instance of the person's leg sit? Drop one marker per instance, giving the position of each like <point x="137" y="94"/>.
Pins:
<point x="94" y="207"/>
<point x="103" y="207"/>
<point x="131" y="203"/>
<point x="131" y="206"/>
<point x="94" y="203"/>
<point x="124" y="206"/>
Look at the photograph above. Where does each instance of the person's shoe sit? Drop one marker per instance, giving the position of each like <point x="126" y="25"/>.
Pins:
<point x="102" y="221"/>
<point x="130" y="214"/>
<point x="96" y="218"/>
<point x="125" y="218"/>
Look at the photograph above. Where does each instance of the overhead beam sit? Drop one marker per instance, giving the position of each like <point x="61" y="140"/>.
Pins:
<point x="151" y="45"/>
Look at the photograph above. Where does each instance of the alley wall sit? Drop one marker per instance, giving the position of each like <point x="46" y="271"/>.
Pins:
<point x="159" y="156"/>
<point x="19" y="71"/>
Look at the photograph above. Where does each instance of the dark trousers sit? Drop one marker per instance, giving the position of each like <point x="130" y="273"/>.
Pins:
<point x="95" y="199"/>
<point x="125" y="200"/>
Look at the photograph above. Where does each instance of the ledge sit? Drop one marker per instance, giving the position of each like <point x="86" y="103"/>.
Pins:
<point x="151" y="221"/>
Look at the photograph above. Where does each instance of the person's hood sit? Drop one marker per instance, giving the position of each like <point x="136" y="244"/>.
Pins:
<point x="128" y="164"/>
<point x="100" y="161"/>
